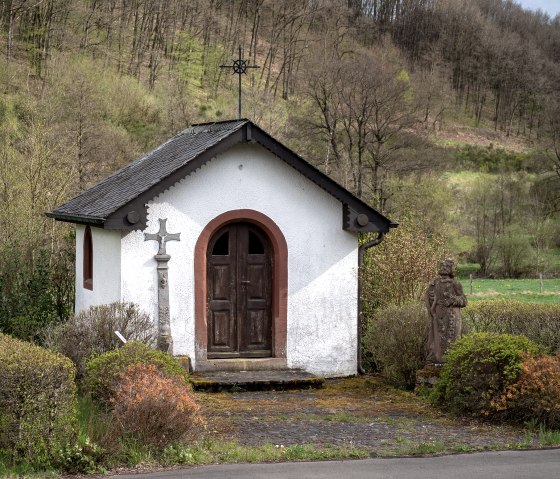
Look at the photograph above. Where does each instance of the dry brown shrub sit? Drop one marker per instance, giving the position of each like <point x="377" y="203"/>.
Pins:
<point x="536" y="393"/>
<point x="154" y="409"/>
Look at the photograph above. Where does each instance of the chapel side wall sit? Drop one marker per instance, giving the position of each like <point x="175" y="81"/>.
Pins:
<point x="106" y="268"/>
<point x="322" y="258"/>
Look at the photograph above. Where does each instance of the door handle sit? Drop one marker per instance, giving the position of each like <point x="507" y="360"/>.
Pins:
<point x="245" y="282"/>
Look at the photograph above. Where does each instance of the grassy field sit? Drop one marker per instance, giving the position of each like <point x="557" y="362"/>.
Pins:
<point x="516" y="289"/>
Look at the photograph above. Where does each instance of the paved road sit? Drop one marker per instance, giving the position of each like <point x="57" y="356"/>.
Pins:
<point x="491" y="465"/>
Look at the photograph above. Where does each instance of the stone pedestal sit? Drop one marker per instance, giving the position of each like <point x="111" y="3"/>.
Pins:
<point x="165" y="340"/>
<point x="184" y="361"/>
<point x="428" y="375"/>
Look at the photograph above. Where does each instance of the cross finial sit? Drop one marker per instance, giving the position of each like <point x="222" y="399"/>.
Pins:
<point x="162" y="236"/>
<point x="239" y="68"/>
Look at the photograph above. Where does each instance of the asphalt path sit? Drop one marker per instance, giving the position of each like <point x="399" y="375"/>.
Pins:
<point x="541" y="464"/>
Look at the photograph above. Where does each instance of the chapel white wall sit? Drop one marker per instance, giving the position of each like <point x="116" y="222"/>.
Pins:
<point x="106" y="268"/>
<point x="322" y="258"/>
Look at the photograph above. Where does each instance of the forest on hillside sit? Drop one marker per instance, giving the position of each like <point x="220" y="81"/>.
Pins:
<point x="443" y="114"/>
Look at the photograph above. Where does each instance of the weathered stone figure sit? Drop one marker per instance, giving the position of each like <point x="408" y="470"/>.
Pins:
<point x="444" y="298"/>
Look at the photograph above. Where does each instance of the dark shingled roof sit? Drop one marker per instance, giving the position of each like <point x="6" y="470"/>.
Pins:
<point x="110" y="194"/>
<point x="129" y="189"/>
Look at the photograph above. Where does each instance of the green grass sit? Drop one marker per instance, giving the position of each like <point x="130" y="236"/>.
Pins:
<point x="527" y="290"/>
<point x="211" y="452"/>
<point x="23" y="471"/>
<point x="548" y="437"/>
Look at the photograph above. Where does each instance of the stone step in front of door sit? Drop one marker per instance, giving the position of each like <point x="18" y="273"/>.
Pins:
<point x="215" y="381"/>
<point x="241" y="364"/>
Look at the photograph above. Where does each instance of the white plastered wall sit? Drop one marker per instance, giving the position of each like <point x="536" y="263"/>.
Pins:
<point x="106" y="268"/>
<point x="322" y="258"/>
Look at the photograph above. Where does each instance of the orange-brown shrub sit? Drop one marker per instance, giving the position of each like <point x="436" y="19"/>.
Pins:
<point x="153" y="408"/>
<point x="536" y="393"/>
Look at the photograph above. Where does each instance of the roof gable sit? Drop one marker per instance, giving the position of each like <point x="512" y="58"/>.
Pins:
<point x="120" y="200"/>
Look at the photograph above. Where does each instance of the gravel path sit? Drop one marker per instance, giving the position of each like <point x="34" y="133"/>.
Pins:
<point x="360" y="412"/>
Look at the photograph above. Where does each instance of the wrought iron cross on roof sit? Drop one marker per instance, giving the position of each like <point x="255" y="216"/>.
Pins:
<point x="239" y="68"/>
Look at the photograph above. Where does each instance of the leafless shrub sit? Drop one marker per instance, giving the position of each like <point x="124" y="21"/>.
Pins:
<point x="395" y="341"/>
<point x="93" y="331"/>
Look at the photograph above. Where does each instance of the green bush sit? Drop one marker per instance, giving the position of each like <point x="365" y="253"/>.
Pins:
<point x="515" y="252"/>
<point x="398" y="271"/>
<point x="93" y="331"/>
<point x="395" y="340"/>
<point x="37" y="402"/>
<point x="81" y="457"/>
<point x="102" y="372"/>
<point x="35" y="295"/>
<point x="477" y="370"/>
<point x="538" y="322"/>
<point x="491" y="160"/>
<point x="466" y="269"/>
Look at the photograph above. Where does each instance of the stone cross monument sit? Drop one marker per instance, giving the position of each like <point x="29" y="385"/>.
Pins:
<point x="165" y="340"/>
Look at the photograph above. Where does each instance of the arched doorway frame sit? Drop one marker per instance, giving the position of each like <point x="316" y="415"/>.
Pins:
<point x="279" y="278"/>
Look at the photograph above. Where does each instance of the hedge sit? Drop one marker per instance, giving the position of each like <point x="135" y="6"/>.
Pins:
<point x="478" y="368"/>
<point x="464" y="270"/>
<point x="538" y="322"/>
<point x="37" y="401"/>
<point x="103" y="371"/>
<point x="394" y="340"/>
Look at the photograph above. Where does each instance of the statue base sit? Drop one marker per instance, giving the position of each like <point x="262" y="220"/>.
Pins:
<point x="428" y="375"/>
<point x="165" y="344"/>
<point x="185" y="361"/>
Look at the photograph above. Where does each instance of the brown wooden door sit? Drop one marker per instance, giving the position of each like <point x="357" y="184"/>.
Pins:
<point x="239" y="288"/>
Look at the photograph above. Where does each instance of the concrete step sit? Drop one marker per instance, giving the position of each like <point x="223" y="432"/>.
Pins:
<point x="241" y="364"/>
<point x="215" y="381"/>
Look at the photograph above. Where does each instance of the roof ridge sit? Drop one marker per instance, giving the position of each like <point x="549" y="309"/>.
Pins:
<point x="243" y="120"/>
<point x="179" y="156"/>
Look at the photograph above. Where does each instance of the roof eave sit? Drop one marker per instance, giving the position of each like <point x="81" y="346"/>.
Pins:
<point x="247" y="132"/>
<point x="74" y="218"/>
<point x="377" y="221"/>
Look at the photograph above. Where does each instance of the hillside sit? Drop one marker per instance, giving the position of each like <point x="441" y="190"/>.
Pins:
<point x="383" y="95"/>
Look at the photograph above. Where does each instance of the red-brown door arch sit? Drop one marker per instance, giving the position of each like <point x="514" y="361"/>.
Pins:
<point x="279" y="278"/>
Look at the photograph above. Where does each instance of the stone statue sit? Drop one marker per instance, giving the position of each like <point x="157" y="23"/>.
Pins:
<point x="444" y="298"/>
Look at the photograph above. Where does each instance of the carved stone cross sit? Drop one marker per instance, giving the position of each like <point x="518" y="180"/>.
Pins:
<point x="162" y="236"/>
<point x="165" y="340"/>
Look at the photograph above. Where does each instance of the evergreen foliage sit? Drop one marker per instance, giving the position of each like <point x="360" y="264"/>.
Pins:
<point x="478" y="368"/>
<point x="37" y="295"/>
<point x="37" y="402"/>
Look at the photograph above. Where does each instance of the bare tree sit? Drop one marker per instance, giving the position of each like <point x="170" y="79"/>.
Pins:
<point x="366" y="111"/>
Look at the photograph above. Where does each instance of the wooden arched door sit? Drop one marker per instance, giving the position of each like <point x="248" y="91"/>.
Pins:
<point x="239" y="292"/>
